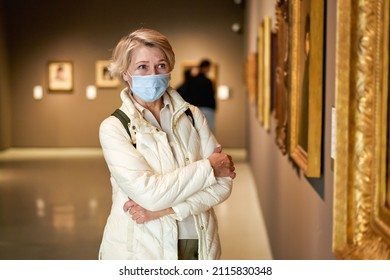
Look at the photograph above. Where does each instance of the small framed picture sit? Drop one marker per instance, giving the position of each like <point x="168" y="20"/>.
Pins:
<point x="60" y="76"/>
<point x="103" y="75"/>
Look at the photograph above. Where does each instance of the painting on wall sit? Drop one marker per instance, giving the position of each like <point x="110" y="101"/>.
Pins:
<point x="273" y="51"/>
<point x="104" y="79"/>
<point x="264" y="72"/>
<point x="387" y="186"/>
<point x="282" y="87"/>
<point x="361" y="181"/>
<point x="282" y="75"/>
<point x="60" y="76"/>
<point x="260" y="74"/>
<point x="306" y="80"/>
<point x="267" y="72"/>
<point x="251" y="76"/>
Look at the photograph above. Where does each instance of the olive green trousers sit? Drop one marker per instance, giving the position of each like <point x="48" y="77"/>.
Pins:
<point x="188" y="249"/>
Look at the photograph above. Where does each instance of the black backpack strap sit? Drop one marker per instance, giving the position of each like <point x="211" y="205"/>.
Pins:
<point x="125" y="120"/>
<point x="189" y="113"/>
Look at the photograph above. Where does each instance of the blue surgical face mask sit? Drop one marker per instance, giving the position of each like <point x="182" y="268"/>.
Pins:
<point x="149" y="88"/>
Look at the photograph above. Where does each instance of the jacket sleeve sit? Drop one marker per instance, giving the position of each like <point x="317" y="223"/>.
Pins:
<point x="138" y="181"/>
<point x="204" y="200"/>
<point x="212" y="195"/>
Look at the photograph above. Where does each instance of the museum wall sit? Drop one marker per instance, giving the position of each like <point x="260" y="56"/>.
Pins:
<point x="297" y="209"/>
<point x="5" y="113"/>
<point x="86" y="31"/>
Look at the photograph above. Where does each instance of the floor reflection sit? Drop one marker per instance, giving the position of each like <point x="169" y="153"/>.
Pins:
<point x="53" y="207"/>
<point x="54" y="204"/>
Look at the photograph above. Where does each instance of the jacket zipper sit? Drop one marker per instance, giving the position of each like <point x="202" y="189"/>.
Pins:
<point x="200" y="228"/>
<point x="174" y="130"/>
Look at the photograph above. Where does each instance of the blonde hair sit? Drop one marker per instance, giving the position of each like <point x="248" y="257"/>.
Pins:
<point x="123" y="51"/>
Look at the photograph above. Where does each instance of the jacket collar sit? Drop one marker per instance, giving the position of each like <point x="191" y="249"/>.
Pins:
<point x="128" y="106"/>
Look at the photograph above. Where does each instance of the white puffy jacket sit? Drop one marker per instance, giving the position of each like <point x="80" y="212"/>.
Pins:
<point x="148" y="174"/>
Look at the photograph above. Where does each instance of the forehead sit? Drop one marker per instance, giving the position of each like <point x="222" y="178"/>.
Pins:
<point x="148" y="54"/>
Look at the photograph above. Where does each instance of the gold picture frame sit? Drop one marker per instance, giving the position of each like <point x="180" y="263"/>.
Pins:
<point x="361" y="222"/>
<point x="104" y="79"/>
<point x="306" y="80"/>
<point x="60" y="76"/>
<point x="260" y="74"/>
<point x="264" y="72"/>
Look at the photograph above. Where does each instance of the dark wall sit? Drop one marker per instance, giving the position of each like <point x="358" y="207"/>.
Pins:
<point x="5" y="110"/>
<point x="86" y="31"/>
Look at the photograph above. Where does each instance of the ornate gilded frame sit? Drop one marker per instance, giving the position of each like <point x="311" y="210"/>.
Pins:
<point x="267" y="71"/>
<point x="264" y="72"/>
<point x="308" y="158"/>
<point x="361" y="218"/>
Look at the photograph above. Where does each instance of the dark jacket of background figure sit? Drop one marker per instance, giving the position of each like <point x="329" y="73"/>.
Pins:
<point x="198" y="90"/>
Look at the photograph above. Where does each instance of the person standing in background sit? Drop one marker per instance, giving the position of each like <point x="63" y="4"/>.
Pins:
<point x="199" y="90"/>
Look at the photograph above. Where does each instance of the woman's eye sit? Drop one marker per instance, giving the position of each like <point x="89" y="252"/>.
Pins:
<point x="162" y="66"/>
<point x="141" y="67"/>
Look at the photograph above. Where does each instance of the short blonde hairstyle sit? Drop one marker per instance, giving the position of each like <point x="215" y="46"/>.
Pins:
<point x="123" y="51"/>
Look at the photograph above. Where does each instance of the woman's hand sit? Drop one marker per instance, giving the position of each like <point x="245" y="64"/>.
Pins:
<point x="141" y="215"/>
<point x="222" y="164"/>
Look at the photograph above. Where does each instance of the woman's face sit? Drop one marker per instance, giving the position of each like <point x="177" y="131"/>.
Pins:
<point x="148" y="61"/>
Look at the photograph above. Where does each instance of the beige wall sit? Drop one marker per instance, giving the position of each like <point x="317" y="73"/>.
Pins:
<point x="298" y="211"/>
<point x="86" y="31"/>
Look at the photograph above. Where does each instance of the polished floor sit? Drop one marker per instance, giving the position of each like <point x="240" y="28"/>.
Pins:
<point x="54" y="204"/>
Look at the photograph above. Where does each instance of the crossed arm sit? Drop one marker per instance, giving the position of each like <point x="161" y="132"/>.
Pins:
<point x="223" y="166"/>
<point x="169" y="193"/>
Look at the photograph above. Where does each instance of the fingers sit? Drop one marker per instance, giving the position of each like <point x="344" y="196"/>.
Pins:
<point x="136" y="209"/>
<point x="231" y="168"/>
<point x="229" y="165"/>
<point x="218" y="149"/>
<point x="227" y="161"/>
<point x="223" y="165"/>
<point x="128" y="205"/>
<point x="138" y="214"/>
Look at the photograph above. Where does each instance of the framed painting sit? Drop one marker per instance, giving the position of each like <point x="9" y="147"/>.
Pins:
<point x="251" y="76"/>
<point x="265" y="91"/>
<point x="260" y="74"/>
<point x="60" y="76"/>
<point x="273" y="71"/>
<point x="264" y="73"/>
<point x="104" y="79"/>
<point x="306" y="81"/>
<point x="282" y="86"/>
<point x="361" y="186"/>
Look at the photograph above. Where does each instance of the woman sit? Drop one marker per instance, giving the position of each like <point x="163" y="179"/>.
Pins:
<point x="169" y="172"/>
